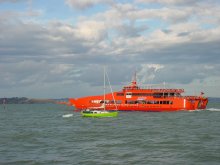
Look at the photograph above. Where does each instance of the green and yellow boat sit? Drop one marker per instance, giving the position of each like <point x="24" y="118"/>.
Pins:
<point x="99" y="113"/>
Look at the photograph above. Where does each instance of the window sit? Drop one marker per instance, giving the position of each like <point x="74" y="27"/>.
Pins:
<point x="157" y="95"/>
<point x="130" y="102"/>
<point x="156" y="102"/>
<point x="141" y="94"/>
<point x="118" y="101"/>
<point x="166" y="102"/>
<point x="141" y="102"/>
<point x="96" y="101"/>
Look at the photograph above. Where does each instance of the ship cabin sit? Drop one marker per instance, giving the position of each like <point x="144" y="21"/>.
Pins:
<point x="134" y="94"/>
<point x="156" y="93"/>
<point x="134" y="90"/>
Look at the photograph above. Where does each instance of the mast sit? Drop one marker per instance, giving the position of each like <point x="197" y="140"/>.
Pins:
<point x="104" y="88"/>
<point x="4" y="103"/>
<point x="111" y="91"/>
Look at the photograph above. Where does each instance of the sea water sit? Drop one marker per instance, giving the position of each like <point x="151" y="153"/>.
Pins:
<point x="50" y="134"/>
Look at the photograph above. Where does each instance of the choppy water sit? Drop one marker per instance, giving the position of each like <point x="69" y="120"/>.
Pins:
<point x="49" y="134"/>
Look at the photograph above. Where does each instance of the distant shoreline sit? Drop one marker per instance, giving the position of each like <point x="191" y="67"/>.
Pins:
<point x="25" y="100"/>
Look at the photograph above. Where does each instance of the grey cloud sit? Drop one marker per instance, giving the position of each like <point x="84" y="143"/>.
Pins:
<point x="188" y="53"/>
<point x="183" y="34"/>
<point x="167" y="31"/>
<point x="85" y="4"/>
<point x="31" y="73"/>
<point x="131" y="30"/>
<point x="32" y="39"/>
<point x="185" y="74"/>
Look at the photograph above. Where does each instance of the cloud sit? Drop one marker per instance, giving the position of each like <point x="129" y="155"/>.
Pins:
<point x="147" y="72"/>
<point x="40" y="75"/>
<point x="29" y="72"/>
<point x="91" y="30"/>
<point x="33" y="39"/>
<point x="84" y="4"/>
<point x="54" y="57"/>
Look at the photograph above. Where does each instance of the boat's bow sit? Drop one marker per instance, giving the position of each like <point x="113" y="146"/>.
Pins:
<point x="72" y="101"/>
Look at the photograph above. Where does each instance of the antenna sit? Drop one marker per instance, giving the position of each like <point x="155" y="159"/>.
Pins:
<point x="134" y="79"/>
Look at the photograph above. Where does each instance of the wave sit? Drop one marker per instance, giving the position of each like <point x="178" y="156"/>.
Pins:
<point x="213" y="109"/>
<point x="208" y="109"/>
<point x="195" y="110"/>
<point x="67" y="115"/>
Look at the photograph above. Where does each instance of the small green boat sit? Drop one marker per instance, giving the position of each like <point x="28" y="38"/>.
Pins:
<point x="99" y="113"/>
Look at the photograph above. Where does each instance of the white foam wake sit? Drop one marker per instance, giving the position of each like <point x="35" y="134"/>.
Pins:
<point x="213" y="109"/>
<point x="196" y="110"/>
<point x="67" y="115"/>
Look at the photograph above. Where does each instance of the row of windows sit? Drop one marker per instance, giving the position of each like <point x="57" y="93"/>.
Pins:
<point x="141" y="94"/>
<point x="157" y="95"/>
<point x="106" y="101"/>
<point x="147" y="102"/>
<point x="132" y="102"/>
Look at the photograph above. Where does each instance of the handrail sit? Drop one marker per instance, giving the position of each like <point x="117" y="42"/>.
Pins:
<point x="155" y="89"/>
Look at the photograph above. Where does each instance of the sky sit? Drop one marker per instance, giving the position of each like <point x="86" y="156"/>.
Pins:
<point x="58" y="48"/>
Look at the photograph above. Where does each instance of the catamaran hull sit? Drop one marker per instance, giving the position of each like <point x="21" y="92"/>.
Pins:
<point x="178" y="104"/>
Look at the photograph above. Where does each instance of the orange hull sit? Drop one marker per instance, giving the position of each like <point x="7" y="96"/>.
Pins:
<point x="135" y="98"/>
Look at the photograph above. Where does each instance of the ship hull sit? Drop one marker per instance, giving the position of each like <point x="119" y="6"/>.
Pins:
<point x="165" y="104"/>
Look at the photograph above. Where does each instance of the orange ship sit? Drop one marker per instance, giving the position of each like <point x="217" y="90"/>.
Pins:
<point x="136" y="98"/>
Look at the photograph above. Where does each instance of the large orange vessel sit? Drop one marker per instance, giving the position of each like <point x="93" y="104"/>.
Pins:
<point x="136" y="98"/>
